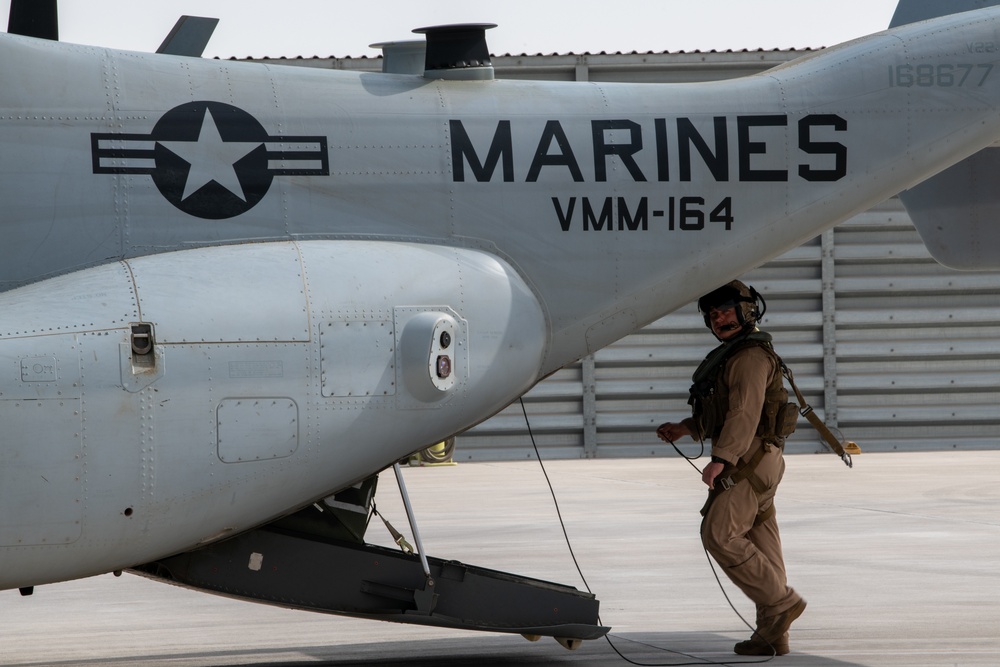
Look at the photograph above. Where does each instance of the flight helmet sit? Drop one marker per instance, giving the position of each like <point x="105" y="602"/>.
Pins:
<point x="750" y="305"/>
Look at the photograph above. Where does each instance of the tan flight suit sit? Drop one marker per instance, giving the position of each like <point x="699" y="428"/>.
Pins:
<point x="749" y="554"/>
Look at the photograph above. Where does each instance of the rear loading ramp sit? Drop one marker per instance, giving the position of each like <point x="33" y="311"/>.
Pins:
<point x="309" y="572"/>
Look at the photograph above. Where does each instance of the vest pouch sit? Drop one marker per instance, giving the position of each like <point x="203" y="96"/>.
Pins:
<point x="788" y="415"/>
<point x="771" y="416"/>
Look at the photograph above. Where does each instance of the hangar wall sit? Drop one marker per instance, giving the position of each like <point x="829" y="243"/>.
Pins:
<point x="894" y="350"/>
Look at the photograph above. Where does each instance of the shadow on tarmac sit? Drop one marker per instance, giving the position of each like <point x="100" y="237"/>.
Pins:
<point x="647" y="649"/>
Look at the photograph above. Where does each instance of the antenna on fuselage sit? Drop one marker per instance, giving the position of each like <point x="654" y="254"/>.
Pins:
<point x="189" y="36"/>
<point x="34" y="18"/>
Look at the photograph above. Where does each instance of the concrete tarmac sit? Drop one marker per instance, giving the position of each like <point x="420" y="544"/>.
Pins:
<point x="898" y="558"/>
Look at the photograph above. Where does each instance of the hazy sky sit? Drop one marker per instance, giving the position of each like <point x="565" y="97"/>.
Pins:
<point x="335" y="27"/>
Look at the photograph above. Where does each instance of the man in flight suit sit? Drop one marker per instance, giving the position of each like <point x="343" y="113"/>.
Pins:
<point x="737" y="402"/>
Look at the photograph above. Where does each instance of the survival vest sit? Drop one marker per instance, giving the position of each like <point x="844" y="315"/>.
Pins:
<point x="709" y="398"/>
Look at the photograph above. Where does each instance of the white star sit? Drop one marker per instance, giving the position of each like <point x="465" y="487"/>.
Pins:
<point x="211" y="158"/>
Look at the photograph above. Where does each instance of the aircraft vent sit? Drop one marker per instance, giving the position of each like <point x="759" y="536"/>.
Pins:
<point x="457" y="52"/>
<point x="406" y="57"/>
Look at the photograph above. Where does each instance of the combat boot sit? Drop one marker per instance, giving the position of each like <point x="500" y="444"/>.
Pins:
<point x="773" y="628"/>
<point x="757" y="646"/>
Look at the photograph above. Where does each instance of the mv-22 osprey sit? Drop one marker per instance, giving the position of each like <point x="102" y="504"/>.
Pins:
<point x="231" y="291"/>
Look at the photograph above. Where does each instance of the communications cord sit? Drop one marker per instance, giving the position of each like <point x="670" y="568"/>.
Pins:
<point x="607" y="637"/>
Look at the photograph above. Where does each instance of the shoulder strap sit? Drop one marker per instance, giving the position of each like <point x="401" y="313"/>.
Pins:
<point x="806" y="411"/>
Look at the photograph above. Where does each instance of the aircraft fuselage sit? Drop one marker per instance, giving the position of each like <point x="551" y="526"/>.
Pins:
<point x="296" y="241"/>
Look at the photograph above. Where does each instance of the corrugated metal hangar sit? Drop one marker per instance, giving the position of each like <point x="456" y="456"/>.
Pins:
<point x="889" y="347"/>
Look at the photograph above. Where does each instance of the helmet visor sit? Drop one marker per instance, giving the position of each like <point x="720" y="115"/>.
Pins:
<point x="717" y="298"/>
<point x="721" y="308"/>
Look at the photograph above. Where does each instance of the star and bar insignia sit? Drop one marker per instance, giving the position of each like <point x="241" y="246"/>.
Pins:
<point x="209" y="159"/>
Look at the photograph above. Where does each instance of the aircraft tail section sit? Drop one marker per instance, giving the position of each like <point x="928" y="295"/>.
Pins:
<point x="911" y="11"/>
<point x="957" y="212"/>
